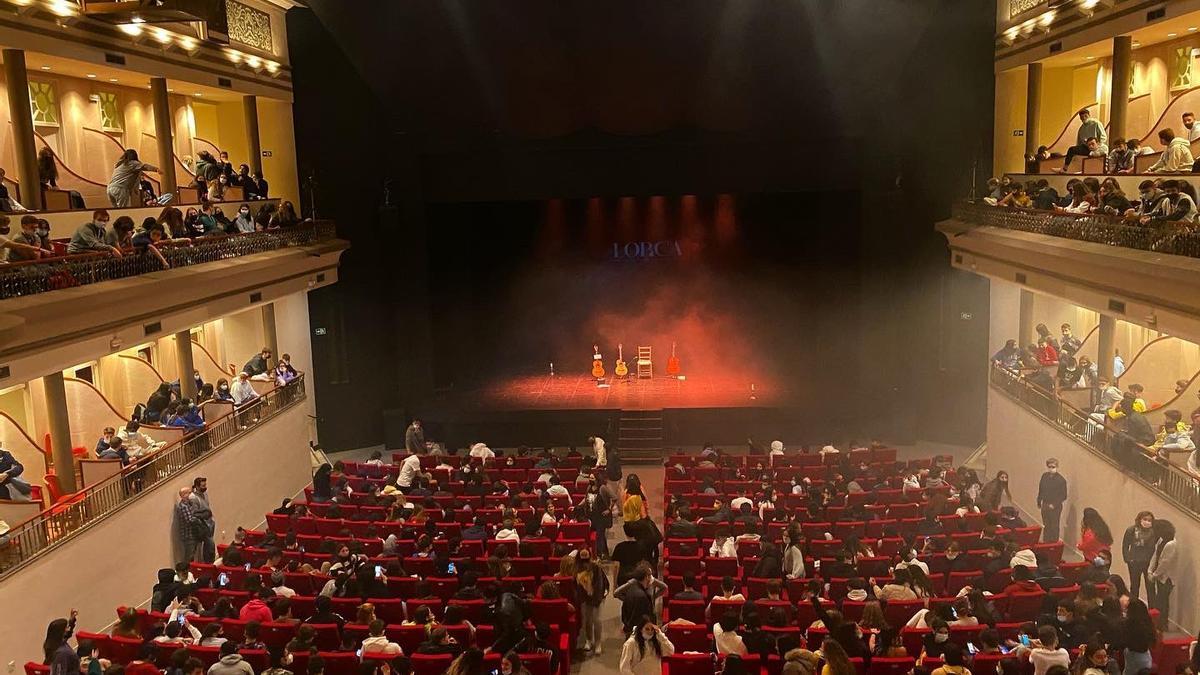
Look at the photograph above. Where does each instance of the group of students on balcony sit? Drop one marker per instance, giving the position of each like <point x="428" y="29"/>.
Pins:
<point x="1091" y="141"/>
<point x="172" y="227"/>
<point x="1161" y="204"/>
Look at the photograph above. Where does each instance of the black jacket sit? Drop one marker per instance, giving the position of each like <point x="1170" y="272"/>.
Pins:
<point x="1052" y="489"/>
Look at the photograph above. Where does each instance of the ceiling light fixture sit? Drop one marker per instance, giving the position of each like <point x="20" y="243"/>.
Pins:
<point x="130" y="29"/>
<point x="91" y="76"/>
<point x="45" y="67"/>
<point x="1171" y="35"/>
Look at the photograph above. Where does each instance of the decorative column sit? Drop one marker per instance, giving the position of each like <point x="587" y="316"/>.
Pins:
<point x="270" y="339"/>
<point x="164" y="134"/>
<point x="1025" y="323"/>
<point x="1106" y="347"/>
<point x="253" y="141"/>
<point x="20" y="111"/>
<point x="1033" y="108"/>
<point x="184" y="364"/>
<point x="1122" y="70"/>
<point x="60" y="429"/>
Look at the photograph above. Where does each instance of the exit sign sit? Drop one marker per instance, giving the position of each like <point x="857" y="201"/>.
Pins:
<point x="319" y="331"/>
<point x="266" y="153"/>
<point x="1018" y="132"/>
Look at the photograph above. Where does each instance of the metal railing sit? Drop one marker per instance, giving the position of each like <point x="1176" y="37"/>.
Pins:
<point x="56" y="525"/>
<point x="1094" y="228"/>
<point x="50" y="274"/>
<point x="1138" y="461"/>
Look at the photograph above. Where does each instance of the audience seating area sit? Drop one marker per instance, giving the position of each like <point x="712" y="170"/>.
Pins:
<point x="894" y="514"/>
<point x="319" y="536"/>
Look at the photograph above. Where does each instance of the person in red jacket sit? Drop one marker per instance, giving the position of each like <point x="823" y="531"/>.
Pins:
<point x="1094" y="535"/>
<point x="1046" y="354"/>
<point x="258" y="609"/>
<point x="1022" y="581"/>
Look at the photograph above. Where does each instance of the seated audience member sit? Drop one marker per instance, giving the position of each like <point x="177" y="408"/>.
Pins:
<point x="1113" y="201"/>
<point x="1045" y="652"/>
<point x="1009" y="356"/>
<point x="439" y="642"/>
<point x="1045" y="197"/>
<point x="222" y="391"/>
<point x="726" y="637"/>
<point x="378" y="643"/>
<point x="90" y="237"/>
<point x="1089" y="128"/>
<point x="690" y="588"/>
<point x="261" y="187"/>
<point x="186" y="416"/>
<point x="242" y="390"/>
<point x="284" y="217"/>
<point x="1176" y="158"/>
<point x="1033" y="162"/>
<point x="1120" y="159"/>
<point x="1178" y="207"/>
<point x="121" y="234"/>
<point x="244" y="222"/>
<point x="24" y="245"/>
<point x="1082" y="200"/>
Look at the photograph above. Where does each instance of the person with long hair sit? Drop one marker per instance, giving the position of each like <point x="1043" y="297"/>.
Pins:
<point x="992" y="494"/>
<point x="1094" y="535"/>
<point x="591" y="586"/>
<point x="872" y="620"/>
<point x="323" y="483"/>
<point x="1137" y="550"/>
<point x="1164" y="570"/>
<point x="1140" y="637"/>
<point x="469" y="662"/>
<point x="643" y="652"/>
<point x="920" y="582"/>
<point x="125" y="184"/>
<point x="634" y="505"/>
<point x="56" y="648"/>
<point x="837" y="662"/>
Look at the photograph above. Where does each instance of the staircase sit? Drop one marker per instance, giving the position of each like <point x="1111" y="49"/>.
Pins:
<point x="640" y="437"/>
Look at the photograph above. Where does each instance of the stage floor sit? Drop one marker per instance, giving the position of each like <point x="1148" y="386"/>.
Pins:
<point x="580" y="392"/>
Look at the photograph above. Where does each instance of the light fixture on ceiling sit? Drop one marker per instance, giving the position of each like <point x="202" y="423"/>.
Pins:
<point x="113" y="79"/>
<point x="45" y="67"/>
<point x="1171" y="35"/>
<point x="91" y="76"/>
<point x="1091" y="58"/>
<point x="198" y="94"/>
<point x="130" y="29"/>
<point x="62" y="8"/>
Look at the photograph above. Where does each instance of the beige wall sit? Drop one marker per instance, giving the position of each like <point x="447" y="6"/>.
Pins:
<point x="278" y="136"/>
<point x="243" y="335"/>
<point x="95" y="573"/>
<point x="1019" y="443"/>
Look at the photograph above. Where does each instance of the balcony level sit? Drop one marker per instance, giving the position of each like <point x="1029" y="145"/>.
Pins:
<point x="53" y="315"/>
<point x="1134" y="274"/>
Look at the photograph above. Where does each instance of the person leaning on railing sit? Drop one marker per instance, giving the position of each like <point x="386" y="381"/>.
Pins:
<point x="89" y="237"/>
<point x="1177" y="208"/>
<point x="18" y="247"/>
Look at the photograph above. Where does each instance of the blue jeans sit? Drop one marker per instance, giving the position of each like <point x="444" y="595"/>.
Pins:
<point x="1136" y="662"/>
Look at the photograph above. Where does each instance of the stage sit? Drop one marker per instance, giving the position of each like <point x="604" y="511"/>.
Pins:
<point x="581" y="392"/>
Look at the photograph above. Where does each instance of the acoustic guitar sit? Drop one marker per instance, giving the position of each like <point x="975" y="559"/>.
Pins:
<point x="597" y="362"/>
<point x="673" y="368"/>
<point x="621" y="370"/>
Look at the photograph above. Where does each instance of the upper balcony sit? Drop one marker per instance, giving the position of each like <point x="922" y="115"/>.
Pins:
<point x="64" y="311"/>
<point x="1143" y="276"/>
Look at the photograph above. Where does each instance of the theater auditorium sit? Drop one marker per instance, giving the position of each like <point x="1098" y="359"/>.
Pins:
<point x="566" y="337"/>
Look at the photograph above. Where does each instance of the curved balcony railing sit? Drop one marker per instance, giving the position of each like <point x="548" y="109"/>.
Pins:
<point x="49" y="274"/>
<point x="1094" y="228"/>
<point x="1174" y="482"/>
<point x="74" y="513"/>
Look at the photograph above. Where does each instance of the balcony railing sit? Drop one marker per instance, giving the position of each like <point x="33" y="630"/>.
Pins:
<point x="1094" y="228"/>
<point x="1173" y="482"/>
<point x="58" y="524"/>
<point x="49" y="274"/>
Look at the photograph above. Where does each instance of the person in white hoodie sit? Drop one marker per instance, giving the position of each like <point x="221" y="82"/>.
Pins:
<point x="1165" y="567"/>
<point x="1176" y="156"/>
<point x="378" y="643"/>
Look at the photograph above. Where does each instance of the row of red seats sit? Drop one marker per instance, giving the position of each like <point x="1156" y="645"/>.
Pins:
<point x="856" y="456"/>
<point x="362" y="527"/>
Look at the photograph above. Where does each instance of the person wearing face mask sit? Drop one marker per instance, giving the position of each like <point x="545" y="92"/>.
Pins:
<point x="1094" y="660"/>
<point x="89" y="237"/>
<point x="204" y="512"/>
<point x="1137" y="549"/>
<point x="637" y="597"/>
<point x="1151" y="202"/>
<point x="992" y="494"/>
<point x="1052" y="493"/>
<point x="934" y="644"/>
<point x="643" y="652"/>
<point x="222" y="393"/>
<point x="21" y="246"/>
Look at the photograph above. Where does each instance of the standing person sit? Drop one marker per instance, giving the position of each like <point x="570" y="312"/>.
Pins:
<point x="259" y="364"/>
<point x="591" y="586"/>
<point x="598" y="508"/>
<point x="1140" y="638"/>
<point x="414" y="438"/>
<point x="126" y="181"/>
<point x="204" y="513"/>
<point x="637" y="597"/>
<point x="1164" y="570"/>
<point x="189" y="529"/>
<point x="643" y="652"/>
<point x="1052" y="493"/>
<point x="1094" y="535"/>
<point x="11" y="486"/>
<point x="633" y="500"/>
<point x="1137" y="549"/>
<point x="56" y="649"/>
<point x="598" y="449"/>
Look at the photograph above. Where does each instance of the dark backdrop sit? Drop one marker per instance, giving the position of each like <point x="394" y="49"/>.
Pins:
<point x="862" y="118"/>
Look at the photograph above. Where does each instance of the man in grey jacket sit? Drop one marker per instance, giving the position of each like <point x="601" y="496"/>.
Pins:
<point x="231" y="662"/>
<point x="203" y="509"/>
<point x="1088" y="128"/>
